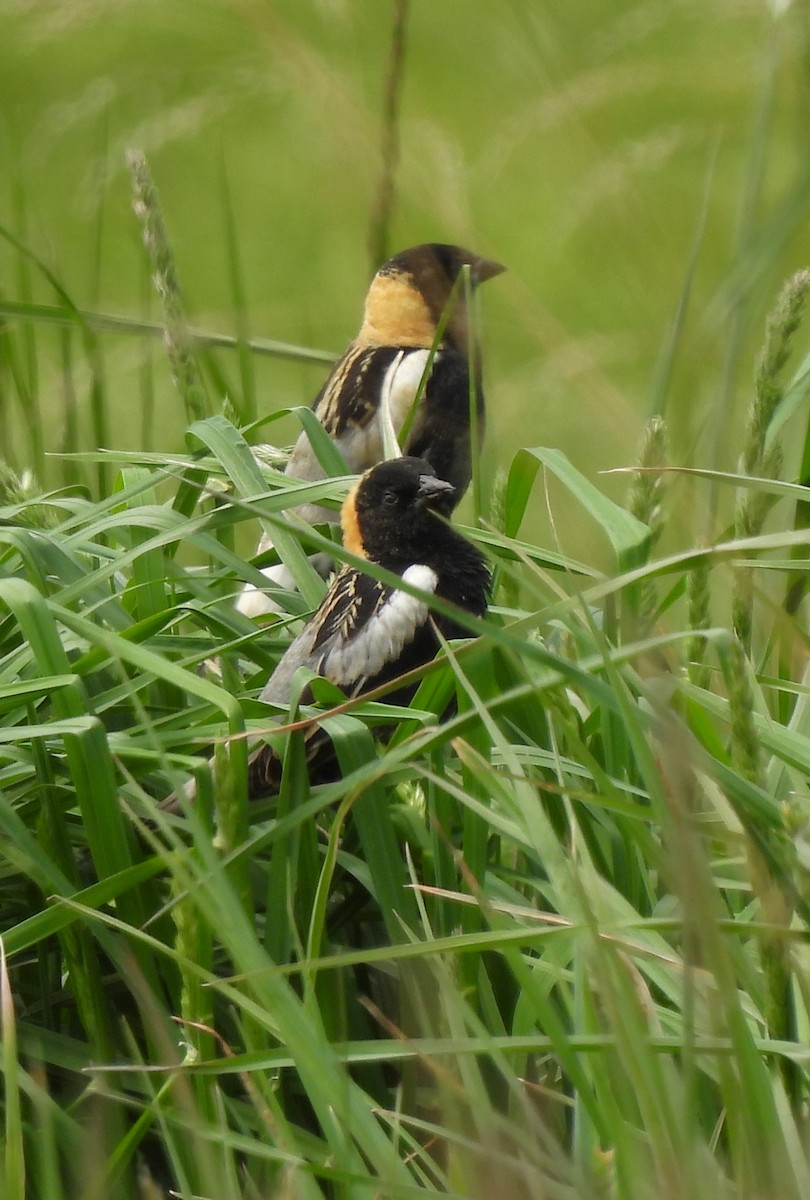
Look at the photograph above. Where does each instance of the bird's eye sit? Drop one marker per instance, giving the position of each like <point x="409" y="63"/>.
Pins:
<point x="390" y="498"/>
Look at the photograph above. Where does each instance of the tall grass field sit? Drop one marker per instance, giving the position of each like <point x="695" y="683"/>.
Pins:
<point x="553" y="946"/>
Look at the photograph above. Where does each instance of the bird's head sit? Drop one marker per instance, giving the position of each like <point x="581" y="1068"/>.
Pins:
<point x="390" y="505"/>
<point x="411" y="291"/>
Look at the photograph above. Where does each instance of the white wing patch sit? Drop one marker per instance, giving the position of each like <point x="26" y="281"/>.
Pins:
<point x="401" y="381"/>
<point x="383" y="637"/>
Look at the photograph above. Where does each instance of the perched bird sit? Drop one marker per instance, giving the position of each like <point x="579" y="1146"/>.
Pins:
<point x="366" y="633"/>
<point x="383" y="367"/>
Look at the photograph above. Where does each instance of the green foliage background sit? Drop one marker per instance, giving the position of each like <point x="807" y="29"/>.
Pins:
<point x="588" y="146"/>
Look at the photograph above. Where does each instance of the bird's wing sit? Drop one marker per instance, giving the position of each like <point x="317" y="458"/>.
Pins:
<point x="348" y="405"/>
<point x="361" y="628"/>
<point x="351" y="394"/>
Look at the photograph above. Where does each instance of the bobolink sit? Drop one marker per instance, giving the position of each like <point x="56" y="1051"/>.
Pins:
<point x="406" y="301"/>
<point x="366" y="633"/>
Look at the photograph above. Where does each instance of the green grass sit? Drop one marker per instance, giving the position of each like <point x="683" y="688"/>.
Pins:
<point x="554" y="946"/>
<point x="551" y="946"/>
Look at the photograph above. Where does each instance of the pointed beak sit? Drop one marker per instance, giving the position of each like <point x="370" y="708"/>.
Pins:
<point x="485" y="268"/>
<point x="431" y="488"/>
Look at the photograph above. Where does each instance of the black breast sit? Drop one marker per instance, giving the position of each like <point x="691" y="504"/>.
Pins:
<point x="441" y="433"/>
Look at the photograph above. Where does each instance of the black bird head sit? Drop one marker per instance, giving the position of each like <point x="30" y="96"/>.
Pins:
<point x="393" y="506"/>
<point x="410" y="292"/>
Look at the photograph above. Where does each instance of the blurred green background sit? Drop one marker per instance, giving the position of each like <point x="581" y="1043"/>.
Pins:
<point x="615" y="154"/>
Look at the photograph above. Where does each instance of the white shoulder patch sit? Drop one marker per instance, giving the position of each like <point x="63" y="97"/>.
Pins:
<point x="401" y="381"/>
<point x="383" y="638"/>
<point x="421" y="576"/>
